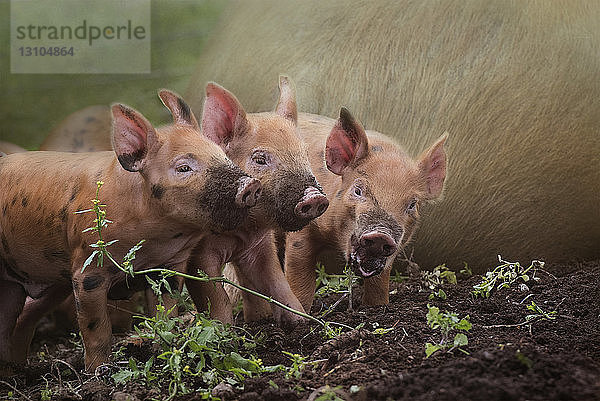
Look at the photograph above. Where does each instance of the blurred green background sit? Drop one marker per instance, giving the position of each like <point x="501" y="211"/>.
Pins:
<point x="31" y="104"/>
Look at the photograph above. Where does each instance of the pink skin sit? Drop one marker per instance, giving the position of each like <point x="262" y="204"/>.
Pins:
<point x="312" y="205"/>
<point x="249" y="192"/>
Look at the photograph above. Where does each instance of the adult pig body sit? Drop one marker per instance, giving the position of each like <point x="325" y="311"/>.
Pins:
<point x="515" y="84"/>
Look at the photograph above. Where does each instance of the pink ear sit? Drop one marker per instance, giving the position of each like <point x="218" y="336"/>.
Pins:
<point x="347" y="143"/>
<point x="179" y="109"/>
<point x="433" y="167"/>
<point x="286" y="105"/>
<point x="132" y="136"/>
<point x="223" y="117"/>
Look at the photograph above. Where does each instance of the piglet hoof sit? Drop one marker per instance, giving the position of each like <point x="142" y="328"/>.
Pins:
<point x="312" y="205"/>
<point x="289" y="321"/>
<point x="249" y="190"/>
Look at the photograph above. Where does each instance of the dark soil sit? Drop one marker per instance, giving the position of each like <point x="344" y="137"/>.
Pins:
<point x="507" y="358"/>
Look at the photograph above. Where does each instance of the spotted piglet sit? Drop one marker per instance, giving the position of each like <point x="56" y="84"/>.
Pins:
<point x="170" y="186"/>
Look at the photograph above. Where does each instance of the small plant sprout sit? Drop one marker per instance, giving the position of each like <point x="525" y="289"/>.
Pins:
<point x="298" y="365"/>
<point x="447" y="322"/>
<point x="398" y="277"/>
<point x="383" y="330"/>
<point x="504" y="275"/>
<point x="466" y="270"/>
<point x="437" y="277"/>
<point x="523" y="359"/>
<point x="335" y="283"/>
<point x="328" y="393"/>
<point x="539" y="313"/>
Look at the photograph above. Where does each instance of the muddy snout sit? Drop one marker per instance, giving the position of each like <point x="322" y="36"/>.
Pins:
<point x="249" y="190"/>
<point x="312" y="205"/>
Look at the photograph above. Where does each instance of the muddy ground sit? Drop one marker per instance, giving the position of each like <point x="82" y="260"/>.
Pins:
<point x="508" y="358"/>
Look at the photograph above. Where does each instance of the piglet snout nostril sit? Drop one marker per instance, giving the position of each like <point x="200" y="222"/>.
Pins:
<point x="312" y="205"/>
<point x="378" y="244"/>
<point x="249" y="190"/>
<point x="367" y="242"/>
<point x="322" y="208"/>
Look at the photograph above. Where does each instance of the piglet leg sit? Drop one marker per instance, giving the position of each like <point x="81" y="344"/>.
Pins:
<point x="91" y="288"/>
<point x="11" y="304"/>
<point x="300" y="266"/>
<point x="33" y="311"/>
<point x="209" y="296"/>
<point x="260" y="270"/>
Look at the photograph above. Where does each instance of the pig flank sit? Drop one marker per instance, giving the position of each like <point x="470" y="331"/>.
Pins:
<point x="87" y="130"/>
<point x="515" y="83"/>
<point x="43" y="245"/>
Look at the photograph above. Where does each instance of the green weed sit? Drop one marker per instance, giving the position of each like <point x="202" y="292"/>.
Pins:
<point x="446" y="322"/>
<point x="436" y="278"/>
<point x="504" y="275"/>
<point x="298" y="365"/>
<point x="398" y="277"/>
<point x="329" y="393"/>
<point x="193" y="357"/>
<point x="539" y="313"/>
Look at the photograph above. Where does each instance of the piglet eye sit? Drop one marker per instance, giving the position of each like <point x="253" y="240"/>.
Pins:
<point x="183" y="168"/>
<point x="259" y="159"/>
<point x="412" y="206"/>
<point x="357" y="191"/>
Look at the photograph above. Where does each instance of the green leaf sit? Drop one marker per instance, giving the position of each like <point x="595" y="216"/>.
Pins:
<point x="460" y="340"/>
<point x="124" y="375"/>
<point x="89" y="260"/>
<point x="464" y="324"/>
<point x="430" y="349"/>
<point x="449" y="275"/>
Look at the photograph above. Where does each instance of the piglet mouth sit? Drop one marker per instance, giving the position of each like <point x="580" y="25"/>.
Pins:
<point x="370" y="252"/>
<point x="366" y="267"/>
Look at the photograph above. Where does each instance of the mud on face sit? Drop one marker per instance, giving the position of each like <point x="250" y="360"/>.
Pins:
<point x="218" y="197"/>
<point x="376" y="239"/>
<point x="280" y="198"/>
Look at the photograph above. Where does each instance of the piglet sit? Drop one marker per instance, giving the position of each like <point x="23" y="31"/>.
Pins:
<point x="266" y="146"/>
<point x="376" y="194"/>
<point x="170" y="186"/>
